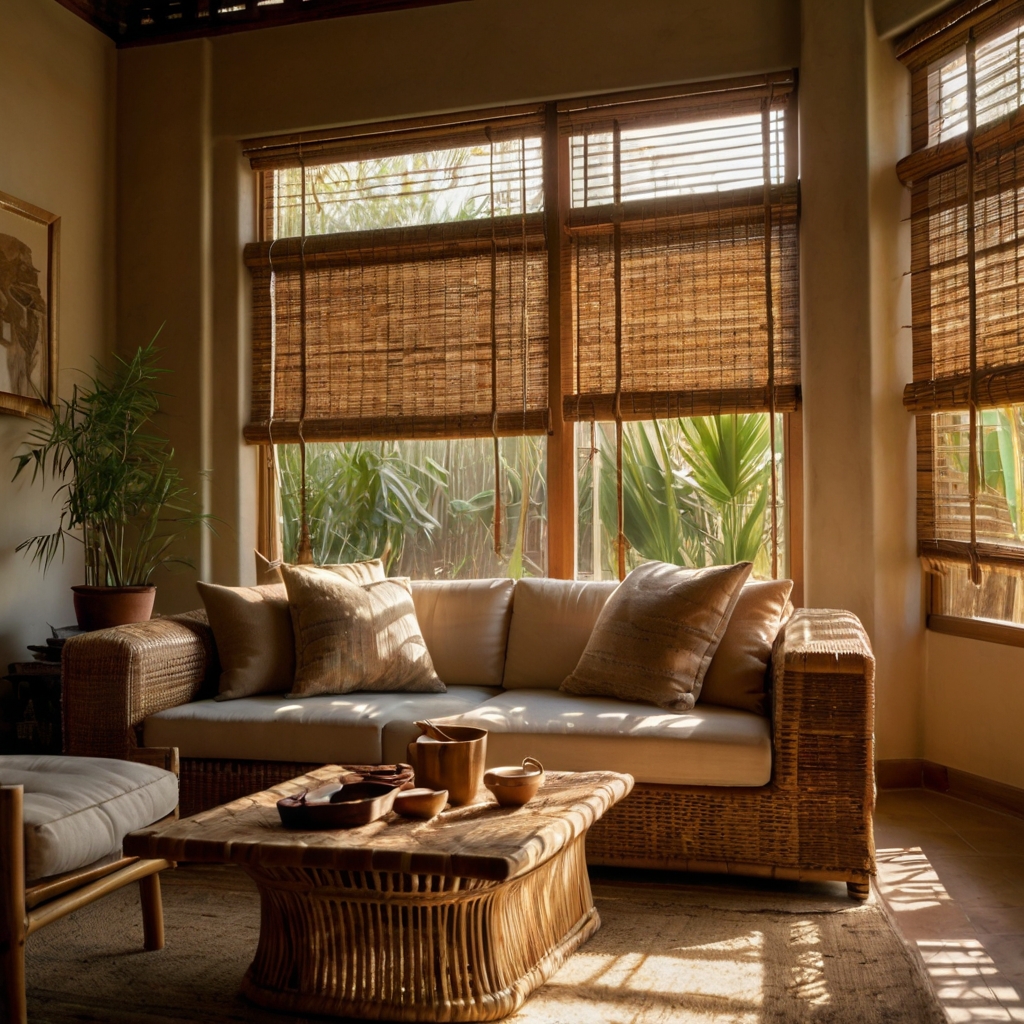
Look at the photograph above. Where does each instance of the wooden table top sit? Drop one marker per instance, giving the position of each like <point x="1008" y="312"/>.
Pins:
<point x="479" y="840"/>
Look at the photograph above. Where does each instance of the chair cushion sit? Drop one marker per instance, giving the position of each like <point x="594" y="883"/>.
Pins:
<point x="465" y="625"/>
<point x="708" y="746"/>
<point x="551" y="623"/>
<point x="77" y="810"/>
<point x="328" y="729"/>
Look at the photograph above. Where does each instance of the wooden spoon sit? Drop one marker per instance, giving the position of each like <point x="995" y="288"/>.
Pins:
<point x="434" y="732"/>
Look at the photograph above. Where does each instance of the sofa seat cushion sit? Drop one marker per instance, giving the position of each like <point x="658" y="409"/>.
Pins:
<point x="326" y="729"/>
<point x="77" y="810"/>
<point x="708" y="746"/>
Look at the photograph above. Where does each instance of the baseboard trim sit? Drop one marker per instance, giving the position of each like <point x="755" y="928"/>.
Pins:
<point x="916" y="773"/>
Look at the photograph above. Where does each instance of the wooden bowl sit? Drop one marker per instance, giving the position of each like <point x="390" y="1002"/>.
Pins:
<point x="398" y="775"/>
<point x="337" y="806"/>
<point x="515" y="785"/>
<point x="421" y="803"/>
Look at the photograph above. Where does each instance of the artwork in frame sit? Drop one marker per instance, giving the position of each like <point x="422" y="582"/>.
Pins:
<point x="29" y="278"/>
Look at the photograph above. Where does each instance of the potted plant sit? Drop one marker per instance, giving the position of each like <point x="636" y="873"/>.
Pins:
<point x="122" y="497"/>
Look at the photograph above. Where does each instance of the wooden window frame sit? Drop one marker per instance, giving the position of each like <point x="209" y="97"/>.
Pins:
<point x="561" y="446"/>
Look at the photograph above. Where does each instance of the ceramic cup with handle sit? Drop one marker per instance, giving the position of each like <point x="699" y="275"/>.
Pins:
<point x="451" y="757"/>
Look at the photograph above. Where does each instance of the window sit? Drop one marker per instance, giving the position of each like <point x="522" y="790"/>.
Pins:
<point x="533" y="304"/>
<point x="966" y="176"/>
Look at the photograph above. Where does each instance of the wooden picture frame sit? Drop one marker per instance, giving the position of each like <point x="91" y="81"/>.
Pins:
<point x="29" y="307"/>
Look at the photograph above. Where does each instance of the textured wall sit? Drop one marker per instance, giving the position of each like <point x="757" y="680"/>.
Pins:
<point x="56" y="151"/>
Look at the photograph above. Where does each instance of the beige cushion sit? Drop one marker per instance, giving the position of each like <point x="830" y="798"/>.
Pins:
<point x="736" y="675"/>
<point x="657" y="634"/>
<point x="358" y="728"/>
<point x="252" y="627"/>
<point x="709" y="746"/>
<point x="268" y="572"/>
<point x="551" y="623"/>
<point x="77" y="810"/>
<point x="350" y="638"/>
<point x="465" y="625"/>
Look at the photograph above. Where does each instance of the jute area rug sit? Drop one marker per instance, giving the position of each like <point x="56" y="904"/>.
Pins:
<point x="666" y="954"/>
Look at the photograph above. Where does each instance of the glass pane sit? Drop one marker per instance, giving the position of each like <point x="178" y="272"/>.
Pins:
<point x="432" y="187"/>
<point x="999" y="516"/>
<point x="998" y="85"/>
<point x="711" y="155"/>
<point x="425" y="507"/>
<point x="696" y="492"/>
<point x="1000" y="596"/>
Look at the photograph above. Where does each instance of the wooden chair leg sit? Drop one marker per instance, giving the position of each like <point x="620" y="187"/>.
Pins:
<point x="858" y="890"/>
<point x="12" y="905"/>
<point x="152" y="911"/>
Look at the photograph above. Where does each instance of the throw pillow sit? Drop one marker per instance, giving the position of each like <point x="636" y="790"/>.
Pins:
<point x="736" y="675"/>
<point x="657" y="634"/>
<point x="252" y="628"/>
<point x="350" y="637"/>
<point x="268" y="572"/>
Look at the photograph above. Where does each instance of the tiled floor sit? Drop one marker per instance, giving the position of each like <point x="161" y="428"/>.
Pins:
<point x="953" y="873"/>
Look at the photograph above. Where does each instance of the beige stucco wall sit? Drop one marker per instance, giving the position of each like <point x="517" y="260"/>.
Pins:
<point x="973" y="707"/>
<point x="56" y="151"/>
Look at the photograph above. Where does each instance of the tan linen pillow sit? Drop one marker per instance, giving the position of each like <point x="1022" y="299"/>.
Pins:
<point x="736" y="675"/>
<point x="252" y="627"/>
<point x="370" y="571"/>
<point x="350" y="637"/>
<point x="657" y="634"/>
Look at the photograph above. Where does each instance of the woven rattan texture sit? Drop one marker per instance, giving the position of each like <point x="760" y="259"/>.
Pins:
<point x="814" y="820"/>
<point x="114" y="679"/>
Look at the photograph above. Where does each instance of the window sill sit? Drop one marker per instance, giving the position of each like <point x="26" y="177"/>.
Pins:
<point x="978" y="629"/>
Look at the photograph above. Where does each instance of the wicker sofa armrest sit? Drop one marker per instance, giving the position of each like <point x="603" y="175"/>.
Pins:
<point x="823" y="720"/>
<point x="113" y="679"/>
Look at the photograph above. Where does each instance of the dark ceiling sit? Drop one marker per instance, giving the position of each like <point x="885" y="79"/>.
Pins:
<point x="131" y="22"/>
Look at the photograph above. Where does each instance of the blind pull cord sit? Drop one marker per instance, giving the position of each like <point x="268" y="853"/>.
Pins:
<point x="972" y="308"/>
<point x="494" y="361"/>
<point x="270" y="538"/>
<point x="620" y="539"/>
<point x="305" y="552"/>
<point x="766" y="141"/>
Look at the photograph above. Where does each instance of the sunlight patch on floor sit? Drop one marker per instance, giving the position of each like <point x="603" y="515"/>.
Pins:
<point x="966" y="979"/>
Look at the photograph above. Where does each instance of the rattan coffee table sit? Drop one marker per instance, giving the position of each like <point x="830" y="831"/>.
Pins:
<point x="458" y="918"/>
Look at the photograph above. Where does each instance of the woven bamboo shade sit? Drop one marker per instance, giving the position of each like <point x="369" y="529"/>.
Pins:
<point x="424" y="271"/>
<point x="967" y="180"/>
<point x="682" y="327"/>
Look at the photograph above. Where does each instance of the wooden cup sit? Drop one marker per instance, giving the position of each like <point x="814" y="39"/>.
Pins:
<point x="456" y="765"/>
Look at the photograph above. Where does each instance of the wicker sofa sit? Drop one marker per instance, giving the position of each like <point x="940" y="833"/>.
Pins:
<point x="795" y="802"/>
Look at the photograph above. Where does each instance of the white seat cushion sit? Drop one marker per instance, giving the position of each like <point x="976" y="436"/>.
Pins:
<point x="465" y="626"/>
<point x="708" y="746"/>
<point x="327" y="729"/>
<point x="77" y="810"/>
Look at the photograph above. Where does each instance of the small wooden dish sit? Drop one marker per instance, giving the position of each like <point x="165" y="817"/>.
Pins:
<point x="514" y="786"/>
<point x="398" y="775"/>
<point x="337" y="806"/>
<point x="421" y="803"/>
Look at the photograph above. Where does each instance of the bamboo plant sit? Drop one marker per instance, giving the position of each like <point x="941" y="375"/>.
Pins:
<point x="122" y="497"/>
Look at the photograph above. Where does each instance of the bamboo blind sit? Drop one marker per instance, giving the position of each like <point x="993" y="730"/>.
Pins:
<point x="672" y="271"/>
<point x="403" y="290"/>
<point x="966" y="176"/>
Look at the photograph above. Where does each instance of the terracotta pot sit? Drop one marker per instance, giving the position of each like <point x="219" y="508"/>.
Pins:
<point x="104" y="607"/>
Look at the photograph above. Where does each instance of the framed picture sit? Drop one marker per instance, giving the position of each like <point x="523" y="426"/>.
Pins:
<point x="29" y="280"/>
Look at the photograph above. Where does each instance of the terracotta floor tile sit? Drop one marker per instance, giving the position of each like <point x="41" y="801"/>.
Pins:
<point x="953" y="874"/>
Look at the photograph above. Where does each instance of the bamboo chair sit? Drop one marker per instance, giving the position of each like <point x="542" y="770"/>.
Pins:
<point x="26" y="909"/>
